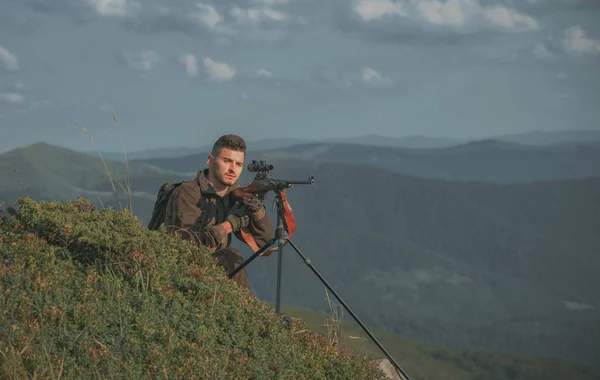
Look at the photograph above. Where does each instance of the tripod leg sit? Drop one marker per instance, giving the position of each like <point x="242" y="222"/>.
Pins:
<point x="307" y="261"/>
<point x="256" y="254"/>
<point x="279" y="267"/>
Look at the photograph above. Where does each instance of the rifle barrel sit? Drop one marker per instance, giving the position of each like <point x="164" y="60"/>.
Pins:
<point x="310" y="181"/>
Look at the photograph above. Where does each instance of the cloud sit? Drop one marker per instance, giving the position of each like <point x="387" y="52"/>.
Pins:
<point x="221" y="21"/>
<point x="371" y="77"/>
<point x="8" y="61"/>
<point x="575" y="42"/>
<point x="144" y="60"/>
<point x="13" y="94"/>
<point x="190" y="63"/>
<point x="256" y="16"/>
<point x="210" y="19"/>
<point x="87" y="10"/>
<point x="432" y="20"/>
<point x="11" y="98"/>
<point x="550" y="6"/>
<point x="113" y="7"/>
<point x="263" y="73"/>
<point x="218" y="71"/>
<point x="374" y="9"/>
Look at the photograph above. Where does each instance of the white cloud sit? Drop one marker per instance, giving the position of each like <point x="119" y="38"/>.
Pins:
<point x="509" y="19"/>
<point x="8" y="61"/>
<point x="375" y="9"/>
<point x="114" y="7"/>
<point x="263" y="73"/>
<point x="454" y="13"/>
<point x="457" y="14"/>
<point x="576" y="42"/>
<point x="255" y="16"/>
<point x="372" y="77"/>
<point x="218" y="71"/>
<point x="145" y="60"/>
<point x="573" y="42"/>
<point x="207" y="15"/>
<point x="190" y="63"/>
<point x="11" y="98"/>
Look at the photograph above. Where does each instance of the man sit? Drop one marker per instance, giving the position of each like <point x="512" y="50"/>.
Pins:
<point x="204" y="210"/>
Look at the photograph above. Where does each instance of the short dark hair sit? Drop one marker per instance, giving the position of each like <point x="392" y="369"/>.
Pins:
<point x="233" y="142"/>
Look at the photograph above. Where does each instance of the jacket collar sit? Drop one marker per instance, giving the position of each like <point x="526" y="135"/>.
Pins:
<point x="207" y="187"/>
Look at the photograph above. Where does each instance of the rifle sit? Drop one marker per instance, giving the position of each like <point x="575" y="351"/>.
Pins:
<point x="263" y="182"/>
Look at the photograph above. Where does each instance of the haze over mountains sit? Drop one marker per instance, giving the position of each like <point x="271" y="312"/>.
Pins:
<point x="487" y="160"/>
<point x="494" y="249"/>
<point x="412" y="141"/>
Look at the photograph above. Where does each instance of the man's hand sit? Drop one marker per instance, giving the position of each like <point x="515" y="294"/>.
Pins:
<point x="238" y="220"/>
<point x="253" y="203"/>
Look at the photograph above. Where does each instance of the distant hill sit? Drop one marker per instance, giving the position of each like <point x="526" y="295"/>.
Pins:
<point x="411" y="141"/>
<point x="425" y="361"/>
<point x="52" y="172"/>
<point x="579" y="136"/>
<point x="486" y="160"/>
<point x="506" y="267"/>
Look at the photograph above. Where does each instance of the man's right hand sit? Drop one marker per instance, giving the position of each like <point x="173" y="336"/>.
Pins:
<point x="238" y="221"/>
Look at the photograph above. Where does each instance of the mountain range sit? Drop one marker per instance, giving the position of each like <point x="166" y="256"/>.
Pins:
<point x="474" y="263"/>
<point x="487" y="160"/>
<point x="411" y="141"/>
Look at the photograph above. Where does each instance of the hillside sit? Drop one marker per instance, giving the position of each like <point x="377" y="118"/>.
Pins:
<point x="465" y="264"/>
<point x="53" y="172"/>
<point x="90" y="293"/>
<point x="486" y="160"/>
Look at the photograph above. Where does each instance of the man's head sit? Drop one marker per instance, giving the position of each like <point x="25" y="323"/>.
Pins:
<point x="226" y="161"/>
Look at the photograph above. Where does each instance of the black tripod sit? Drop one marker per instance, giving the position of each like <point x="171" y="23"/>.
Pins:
<point x="281" y="237"/>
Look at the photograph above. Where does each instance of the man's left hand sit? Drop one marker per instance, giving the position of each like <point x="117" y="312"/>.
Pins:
<point x="253" y="203"/>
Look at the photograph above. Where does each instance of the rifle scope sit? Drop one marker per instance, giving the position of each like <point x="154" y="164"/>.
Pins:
<point x="259" y="166"/>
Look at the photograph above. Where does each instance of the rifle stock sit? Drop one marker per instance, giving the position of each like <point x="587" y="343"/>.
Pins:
<point x="261" y="186"/>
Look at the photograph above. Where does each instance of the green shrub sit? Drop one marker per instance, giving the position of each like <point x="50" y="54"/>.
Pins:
<point x="88" y="293"/>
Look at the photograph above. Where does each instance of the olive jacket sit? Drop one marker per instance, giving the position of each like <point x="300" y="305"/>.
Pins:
<point x="197" y="211"/>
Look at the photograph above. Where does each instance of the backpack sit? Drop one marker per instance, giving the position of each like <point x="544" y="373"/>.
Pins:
<point x="160" y="205"/>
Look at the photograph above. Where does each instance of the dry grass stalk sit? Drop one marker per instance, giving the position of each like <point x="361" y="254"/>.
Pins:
<point x="110" y="176"/>
<point x="334" y="323"/>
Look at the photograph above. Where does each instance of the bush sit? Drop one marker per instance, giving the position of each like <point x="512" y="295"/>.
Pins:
<point x="89" y="292"/>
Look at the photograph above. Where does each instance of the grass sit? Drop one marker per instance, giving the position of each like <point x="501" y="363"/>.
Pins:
<point x="92" y="293"/>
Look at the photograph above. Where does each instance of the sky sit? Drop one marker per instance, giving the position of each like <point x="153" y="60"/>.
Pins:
<point x="183" y="73"/>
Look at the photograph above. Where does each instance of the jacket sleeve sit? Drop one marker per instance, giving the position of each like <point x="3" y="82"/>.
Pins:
<point x="185" y="218"/>
<point x="260" y="227"/>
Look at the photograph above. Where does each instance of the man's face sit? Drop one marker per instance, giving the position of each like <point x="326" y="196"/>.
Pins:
<point x="226" y="167"/>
